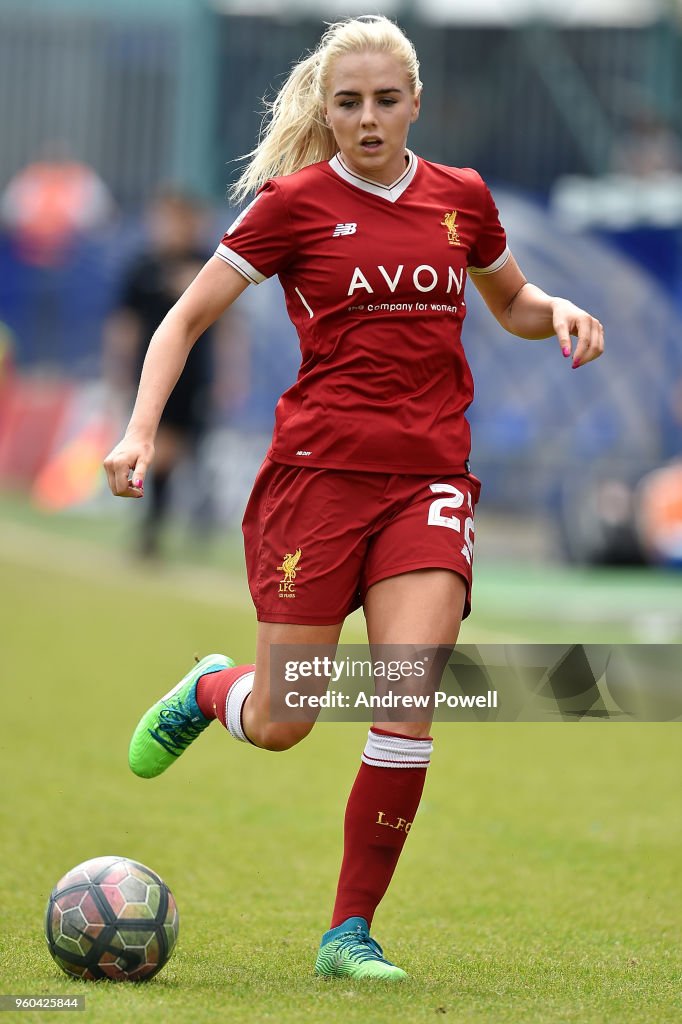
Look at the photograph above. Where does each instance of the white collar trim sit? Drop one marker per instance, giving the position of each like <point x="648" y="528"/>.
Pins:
<point x="391" y="192"/>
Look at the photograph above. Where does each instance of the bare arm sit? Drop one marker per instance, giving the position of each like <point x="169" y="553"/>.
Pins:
<point x="526" y="311"/>
<point x="213" y="290"/>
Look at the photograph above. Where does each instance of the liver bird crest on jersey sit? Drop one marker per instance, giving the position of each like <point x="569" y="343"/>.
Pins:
<point x="288" y="566"/>
<point x="449" y="221"/>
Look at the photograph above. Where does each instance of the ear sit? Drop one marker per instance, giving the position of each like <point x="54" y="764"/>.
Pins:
<point x="416" y="107"/>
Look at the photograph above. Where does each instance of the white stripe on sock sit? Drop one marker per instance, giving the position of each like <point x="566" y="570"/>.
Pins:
<point x="236" y="696"/>
<point x="397" y="751"/>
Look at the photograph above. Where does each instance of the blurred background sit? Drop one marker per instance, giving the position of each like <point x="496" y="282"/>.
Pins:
<point x="121" y="127"/>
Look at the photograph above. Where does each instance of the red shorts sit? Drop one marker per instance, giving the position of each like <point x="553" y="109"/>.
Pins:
<point x="316" y="540"/>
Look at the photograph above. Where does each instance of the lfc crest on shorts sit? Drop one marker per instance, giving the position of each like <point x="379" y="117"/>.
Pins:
<point x="289" y="566"/>
<point x="449" y="221"/>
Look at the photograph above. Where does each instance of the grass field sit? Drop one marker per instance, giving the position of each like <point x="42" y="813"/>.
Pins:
<point x="540" y="884"/>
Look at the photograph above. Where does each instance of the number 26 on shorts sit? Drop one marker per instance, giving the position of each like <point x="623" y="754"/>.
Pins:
<point x="453" y="500"/>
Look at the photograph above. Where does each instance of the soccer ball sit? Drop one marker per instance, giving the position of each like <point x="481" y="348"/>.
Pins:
<point x="111" y="917"/>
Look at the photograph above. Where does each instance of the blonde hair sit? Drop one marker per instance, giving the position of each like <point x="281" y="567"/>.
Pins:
<point x="294" y="133"/>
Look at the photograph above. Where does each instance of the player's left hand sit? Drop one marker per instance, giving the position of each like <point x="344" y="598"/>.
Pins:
<point x="568" y="320"/>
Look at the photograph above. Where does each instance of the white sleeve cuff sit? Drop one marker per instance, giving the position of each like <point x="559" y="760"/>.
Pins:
<point x="239" y="263"/>
<point x="497" y="265"/>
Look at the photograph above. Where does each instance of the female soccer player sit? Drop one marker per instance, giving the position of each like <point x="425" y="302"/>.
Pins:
<point x="365" y="496"/>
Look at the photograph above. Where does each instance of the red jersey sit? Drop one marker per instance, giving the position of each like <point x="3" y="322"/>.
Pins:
<point x="374" y="278"/>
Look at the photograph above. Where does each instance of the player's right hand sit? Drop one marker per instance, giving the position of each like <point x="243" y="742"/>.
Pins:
<point x="126" y="466"/>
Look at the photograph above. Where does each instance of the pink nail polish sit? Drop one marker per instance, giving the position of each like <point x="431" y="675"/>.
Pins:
<point x="566" y="351"/>
<point x="576" y="364"/>
<point x="138" y="484"/>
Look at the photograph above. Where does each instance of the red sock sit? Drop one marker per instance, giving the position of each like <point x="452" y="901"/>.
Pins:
<point x="212" y="690"/>
<point x="379" y="814"/>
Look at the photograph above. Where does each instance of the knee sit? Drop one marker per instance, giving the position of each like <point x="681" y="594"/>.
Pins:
<point x="278" y="736"/>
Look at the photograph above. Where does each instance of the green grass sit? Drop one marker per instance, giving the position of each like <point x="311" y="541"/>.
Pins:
<point x="540" y="882"/>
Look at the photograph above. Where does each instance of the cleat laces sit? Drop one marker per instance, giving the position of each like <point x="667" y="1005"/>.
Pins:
<point x="176" y="729"/>
<point x="361" y="947"/>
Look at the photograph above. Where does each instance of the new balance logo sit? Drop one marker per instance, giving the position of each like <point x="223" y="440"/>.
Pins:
<point x="344" y="229"/>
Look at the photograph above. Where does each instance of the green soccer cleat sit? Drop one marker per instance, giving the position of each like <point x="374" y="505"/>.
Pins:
<point x="167" y="729"/>
<point x="347" y="951"/>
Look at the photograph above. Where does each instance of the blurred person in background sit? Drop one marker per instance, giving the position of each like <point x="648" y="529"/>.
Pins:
<point x="48" y="208"/>
<point x="366" y="495"/>
<point x="53" y="201"/>
<point x="151" y="285"/>
<point x="659" y="517"/>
